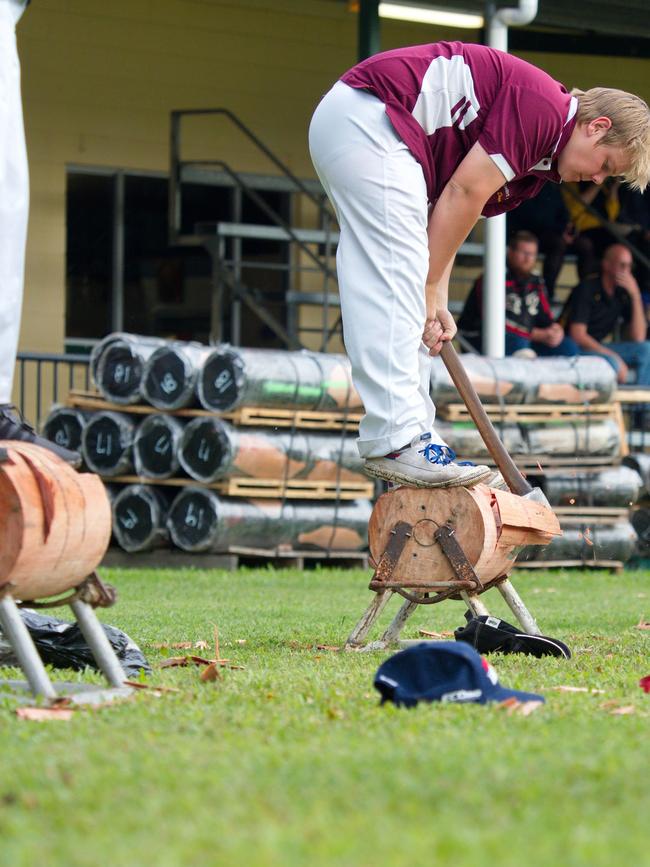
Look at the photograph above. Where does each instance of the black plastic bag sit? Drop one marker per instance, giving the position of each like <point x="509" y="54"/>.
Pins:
<point x="62" y="645"/>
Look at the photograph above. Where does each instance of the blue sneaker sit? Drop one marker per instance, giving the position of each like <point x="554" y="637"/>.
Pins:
<point x="426" y="464"/>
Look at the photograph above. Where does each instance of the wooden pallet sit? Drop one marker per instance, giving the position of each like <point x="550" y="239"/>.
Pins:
<point x="234" y="558"/>
<point x="616" y="566"/>
<point x="245" y="416"/>
<point x="595" y="516"/>
<point x="292" y="489"/>
<point x="633" y="395"/>
<point x="535" y="413"/>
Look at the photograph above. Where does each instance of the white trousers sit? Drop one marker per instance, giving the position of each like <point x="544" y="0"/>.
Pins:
<point x="14" y="197"/>
<point x="379" y="194"/>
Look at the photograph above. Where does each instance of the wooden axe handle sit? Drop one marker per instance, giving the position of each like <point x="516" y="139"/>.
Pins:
<point x="514" y="479"/>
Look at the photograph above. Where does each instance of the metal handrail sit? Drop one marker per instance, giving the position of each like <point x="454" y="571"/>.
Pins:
<point x="176" y="163"/>
<point x="41" y="360"/>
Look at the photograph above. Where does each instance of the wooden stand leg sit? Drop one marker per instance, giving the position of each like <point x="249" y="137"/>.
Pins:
<point x="516" y="605"/>
<point x="361" y="630"/>
<point x="392" y="633"/>
<point x="474" y="604"/>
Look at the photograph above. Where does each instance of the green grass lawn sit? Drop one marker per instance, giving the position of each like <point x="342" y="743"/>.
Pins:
<point x="291" y="761"/>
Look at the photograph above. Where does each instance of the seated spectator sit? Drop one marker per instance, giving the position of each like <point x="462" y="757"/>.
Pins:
<point x="547" y="217"/>
<point x="591" y="206"/>
<point x="598" y="306"/>
<point x="529" y="321"/>
<point x="635" y="214"/>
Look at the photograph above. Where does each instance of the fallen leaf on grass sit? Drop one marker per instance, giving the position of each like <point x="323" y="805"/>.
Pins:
<point x="41" y="714"/>
<point x="644" y="683"/>
<point x="154" y="689"/>
<point x="240" y="641"/>
<point x="201" y="645"/>
<point x="211" y="672"/>
<point x="563" y="688"/>
<point x="176" y="661"/>
<point x="643" y="624"/>
<point x="327" y="647"/>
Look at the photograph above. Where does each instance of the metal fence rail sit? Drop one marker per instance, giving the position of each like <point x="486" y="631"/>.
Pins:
<point x="45" y="378"/>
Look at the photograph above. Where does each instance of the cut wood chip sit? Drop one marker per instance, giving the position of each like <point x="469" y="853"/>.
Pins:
<point x="429" y="634"/>
<point x="578" y="689"/>
<point x="521" y="708"/>
<point x="643" y="624"/>
<point x="43" y="714"/>
<point x="624" y="710"/>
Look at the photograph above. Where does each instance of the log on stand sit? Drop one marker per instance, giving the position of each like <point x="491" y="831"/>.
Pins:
<point x="434" y="544"/>
<point x="55" y="525"/>
<point x="107" y="443"/>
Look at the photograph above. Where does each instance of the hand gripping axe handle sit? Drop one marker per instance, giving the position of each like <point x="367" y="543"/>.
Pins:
<point x="509" y="470"/>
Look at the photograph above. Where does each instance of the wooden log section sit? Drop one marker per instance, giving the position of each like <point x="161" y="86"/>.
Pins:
<point x="107" y="442"/>
<point x="139" y="516"/>
<point x="64" y="426"/>
<point x="55" y="523"/>
<point x="234" y="377"/>
<point x="156" y="445"/>
<point x="199" y="520"/>
<point x="170" y="374"/>
<point x="489" y="526"/>
<point x="117" y="365"/>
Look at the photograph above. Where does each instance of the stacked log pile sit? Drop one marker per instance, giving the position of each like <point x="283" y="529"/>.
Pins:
<point x="181" y="474"/>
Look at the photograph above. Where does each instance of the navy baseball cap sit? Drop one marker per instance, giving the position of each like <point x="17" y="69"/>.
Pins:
<point x="442" y="671"/>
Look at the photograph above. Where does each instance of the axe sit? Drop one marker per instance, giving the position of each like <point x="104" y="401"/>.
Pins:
<point x="509" y="470"/>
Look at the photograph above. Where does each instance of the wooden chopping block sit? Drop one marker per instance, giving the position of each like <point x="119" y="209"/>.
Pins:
<point x="489" y="525"/>
<point x="55" y="523"/>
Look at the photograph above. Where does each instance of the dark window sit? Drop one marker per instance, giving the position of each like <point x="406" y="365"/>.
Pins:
<point x="89" y="277"/>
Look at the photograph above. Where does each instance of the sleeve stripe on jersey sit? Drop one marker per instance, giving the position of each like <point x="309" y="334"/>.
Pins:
<point x="503" y="166"/>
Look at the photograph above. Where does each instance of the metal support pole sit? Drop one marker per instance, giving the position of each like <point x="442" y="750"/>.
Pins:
<point x="494" y="295"/>
<point x="98" y="643"/>
<point x="117" y="288"/>
<point x="369" y="31"/>
<point x="24" y="648"/>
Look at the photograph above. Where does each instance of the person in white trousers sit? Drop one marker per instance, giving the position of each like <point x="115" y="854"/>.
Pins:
<point x="14" y="209"/>
<point x="411" y="147"/>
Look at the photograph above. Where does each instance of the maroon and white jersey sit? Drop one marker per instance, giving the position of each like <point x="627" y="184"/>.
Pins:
<point x="444" y="97"/>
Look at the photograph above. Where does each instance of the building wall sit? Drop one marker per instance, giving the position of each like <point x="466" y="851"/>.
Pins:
<point x="100" y="78"/>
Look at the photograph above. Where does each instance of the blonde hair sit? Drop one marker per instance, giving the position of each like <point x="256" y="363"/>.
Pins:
<point x="630" y="130"/>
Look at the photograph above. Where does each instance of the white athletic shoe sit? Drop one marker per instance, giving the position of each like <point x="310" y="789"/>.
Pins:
<point x="424" y="464"/>
<point x="496" y="480"/>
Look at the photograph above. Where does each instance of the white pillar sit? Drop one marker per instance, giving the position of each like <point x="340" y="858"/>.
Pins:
<point x="494" y="265"/>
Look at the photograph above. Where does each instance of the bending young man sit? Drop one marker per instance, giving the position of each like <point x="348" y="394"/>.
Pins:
<point x="412" y="146"/>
